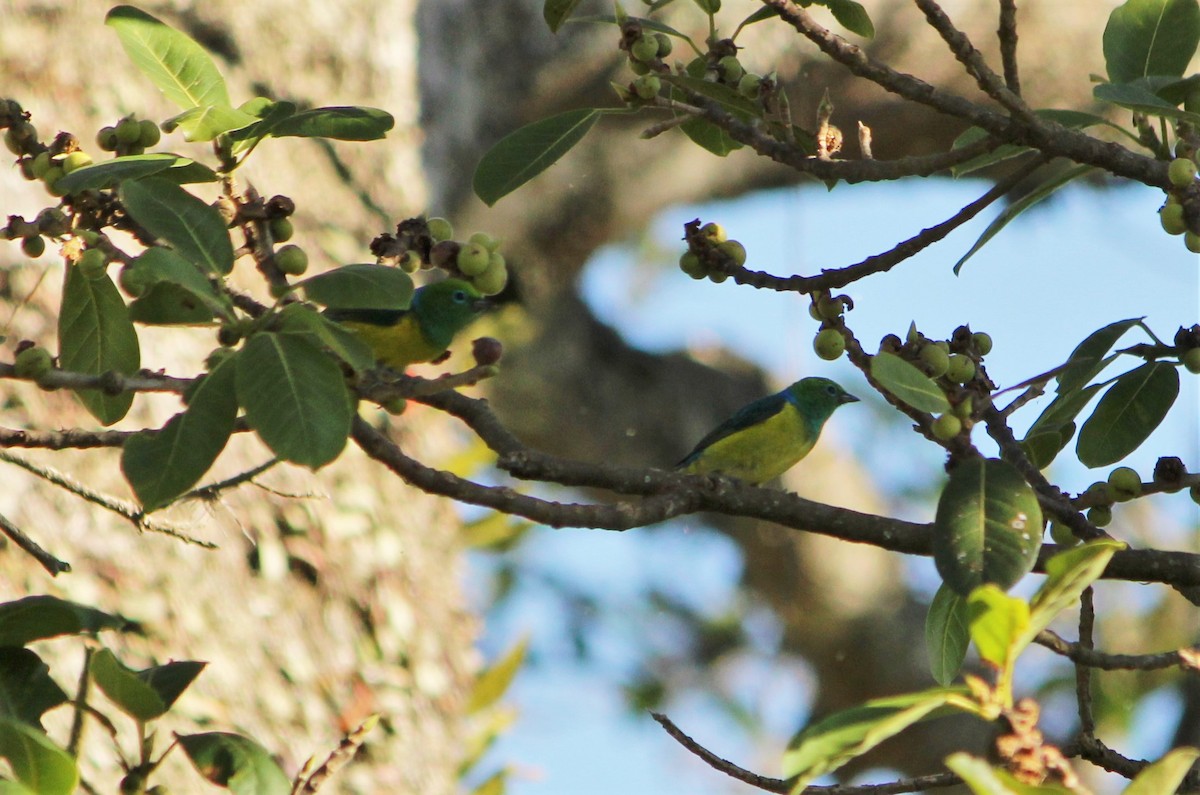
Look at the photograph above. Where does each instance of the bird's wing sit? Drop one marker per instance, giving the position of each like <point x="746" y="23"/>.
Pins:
<point x="748" y="415"/>
<point x="372" y="317"/>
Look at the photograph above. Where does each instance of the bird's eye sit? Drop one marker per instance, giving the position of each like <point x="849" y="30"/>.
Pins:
<point x="831" y="389"/>
<point x="460" y="296"/>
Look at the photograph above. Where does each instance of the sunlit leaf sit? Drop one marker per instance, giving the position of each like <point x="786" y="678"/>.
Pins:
<point x="172" y="60"/>
<point x="95" y="336"/>
<point x="1067" y="575"/>
<point x="492" y="683"/>
<point x="1165" y="775"/>
<point x="340" y="123"/>
<point x="997" y="621"/>
<point x="36" y="762"/>
<point x="110" y="173"/>
<point x="236" y="763"/>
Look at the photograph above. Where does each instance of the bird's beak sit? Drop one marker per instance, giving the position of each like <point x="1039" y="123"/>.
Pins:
<point x="847" y="398"/>
<point x="482" y="304"/>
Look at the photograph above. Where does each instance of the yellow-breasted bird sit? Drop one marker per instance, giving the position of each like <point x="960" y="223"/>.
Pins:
<point x="421" y="333"/>
<point x="766" y="438"/>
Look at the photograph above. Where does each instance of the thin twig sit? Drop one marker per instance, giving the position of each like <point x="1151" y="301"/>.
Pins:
<point x="48" y="561"/>
<point x="1082" y="655"/>
<point x="213" y="490"/>
<point x="1083" y="674"/>
<point x="1007" y="35"/>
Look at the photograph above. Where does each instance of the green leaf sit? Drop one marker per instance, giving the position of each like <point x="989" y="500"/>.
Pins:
<point x="110" y="173"/>
<point x="143" y="695"/>
<point x="26" y="689"/>
<point x="269" y="115"/>
<point x="764" y="13"/>
<point x="983" y="779"/>
<point x="36" y="762"/>
<point x="161" y="465"/>
<point x="235" y="762"/>
<point x="295" y="398"/>
<point x="300" y="319"/>
<point x="908" y="384"/>
<point x="1047" y="188"/>
<point x="522" y="155"/>
<point x="349" y="123"/>
<point x="491" y="683"/>
<point x="997" y="621"/>
<point x="362" y="286"/>
<point x="727" y="96"/>
<point x="40" y="617"/>
<point x="1088" y="358"/>
<point x="1128" y="413"/>
<point x="1136" y="96"/>
<point x="1151" y="37"/>
<point x="851" y="16"/>
<point x="167" y="304"/>
<point x="13" y="788"/>
<point x="556" y="12"/>
<point x="833" y="741"/>
<point x="175" y="216"/>
<point x="645" y="22"/>
<point x="1067" y="575"/>
<point x="708" y="6"/>
<point x="1071" y="119"/>
<point x="95" y="335"/>
<point x="946" y="634"/>
<point x="1055" y="426"/>
<point x="206" y="122"/>
<point x="710" y="137"/>
<point x="988" y="527"/>
<point x="173" y="61"/>
<point x="178" y="292"/>
<point x="1165" y="775"/>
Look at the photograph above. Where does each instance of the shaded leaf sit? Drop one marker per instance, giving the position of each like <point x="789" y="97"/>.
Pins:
<point x="95" y="336"/>
<point x="110" y="173"/>
<point x="172" y="60"/>
<point x="983" y="779"/>
<point x="40" y="617"/>
<point x="175" y="216"/>
<point x="299" y="319"/>
<point x="710" y="137"/>
<point x="1053" y="429"/>
<point x="997" y="621"/>
<point x="161" y="465"/>
<point x="206" y="122"/>
<point x="1088" y="358"/>
<point x="851" y="16"/>
<point x="908" y="383"/>
<point x="1128" y="413"/>
<point x="1046" y="188"/>
<point x="1071" y="119"/>
<point x="143" y="695"/>
<point x="832" y="742"/>
<point x="1150" y="37"/>
<point x="946" y="634"/>
<point x="235" y="762"/>
<point x="727" y="96"/>
<point x="26" y="689"/>
<point x="1164" y="775"/>
<point x="349" y="123"/>
<point x="37" y="763"/>
<point x="1139" y="98"/>
<point x="178" y="292"/>
<point x="527" y="152"/>
<point x="295" y="398"/>
<point x="988" y="527"/>
<point x="556" y="12"/>
<point x="492" y="683"/>
<point x="363" y="286"/>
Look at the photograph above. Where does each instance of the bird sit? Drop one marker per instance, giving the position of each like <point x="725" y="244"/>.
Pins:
<point x="767" y="437"/>
<point x="421" y="333"/>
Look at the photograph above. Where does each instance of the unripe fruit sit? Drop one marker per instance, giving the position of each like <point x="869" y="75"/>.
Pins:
<point x="410" y="262"/>
<point x="734" y="250"/>
<point x="1181" y="172"/>
<point x="75" y="161"/>
<point x="644" y="49"/>
<point x="714" y="232"/>
<point x="749" y="85"/>
<point x="665" y="45"/>
<point x="639" y="68"/>
<point x="92" y="264"/>
<point x="1100" y="515"/>
<point x="134" y="281"/>
<point x="129" y="130"/>
<point x="217" y="357"/>
<point x="395" y="406"/>
<point x="1191" y="360"/>
<point x="149" y="133"/>
<point x="717" y="277"/>
<point x="33" y="247"/>
<point x="647" y="87"/>
<point x="1062" y="535"/>
<point x="828" y="308"/>
<point x="281" y="229"/>
<point x="946" y="427"/>
<point x="1171" y="218"/>
<point x="440" y="229"/>
<point x="291" y="260"/>
<point x="964" y="407"/>
<point x="1124" y="483"/>
<point x="52" y="175"/>
<point x="961" y="369"/>
<point x="1098" y="492"/>
<point x="52" y="221"/>
<point x="731" y="69"/>
<point x="936" y="360"/>
<point x="982" y="342"/>
<point x="829" y="344"/>
<point x="485" y="240"/>
<point x="33" y="363"/>
<point x="1191" y="241"/>
<point x="40" y="165"/>
<point x="473" y="259"/>
<point x="494" y="277"/>
<point x="690" y="264"/>
<point x="106" y="139"/>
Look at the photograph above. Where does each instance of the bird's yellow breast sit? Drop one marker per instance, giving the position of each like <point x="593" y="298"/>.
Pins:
<point x="760" y="452"/>
<point x="398" y="345"/>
